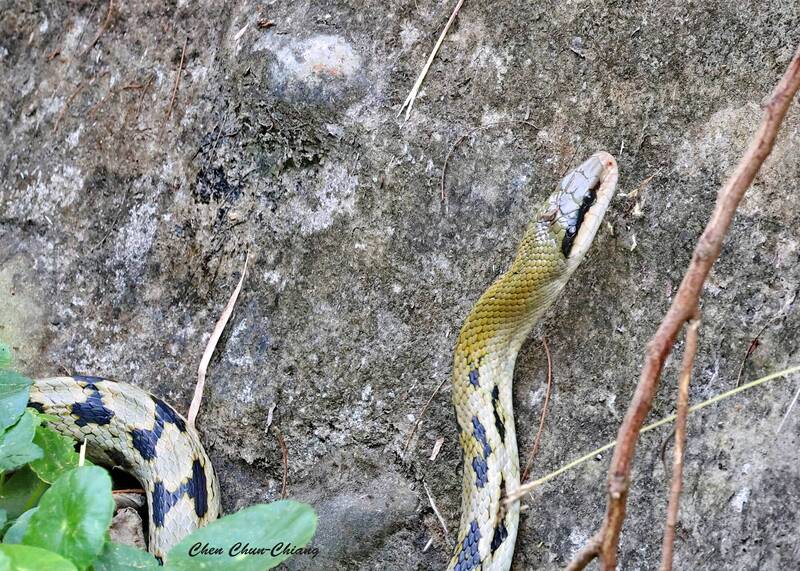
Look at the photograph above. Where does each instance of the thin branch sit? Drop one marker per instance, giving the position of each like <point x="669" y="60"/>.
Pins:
<point x="177" y="83"/>
<point x="284" y="460"/>
<point x="754" y="343"/>
<point x="689" y="353"/>
<point x="438" y="515"/>
<point x="412" y="95"/>
<point x="536" y="440"/>
<point x="684" y="307"/>
<point x="103" y="28"/>
<point x="72" y="96"/>
<point x="586" y="554"/>
<point x="194" y="408"/>
<point x="528" y="487"/>
<point x="421" y="414"/>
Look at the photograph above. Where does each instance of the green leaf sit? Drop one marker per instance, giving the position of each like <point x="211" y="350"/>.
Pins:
<point x="59" y="454"/>
<point x="3" y="518"/>
<point x="14" y="390"/>
<point x="17" y="529"/>
<point x="118" y="557"/>
<point x="26" y="558"/>
<point x="16" y="444"/>
<point x="267" y="527"/>
<point x="74" y="515"/>
<point x="20" y="492"/>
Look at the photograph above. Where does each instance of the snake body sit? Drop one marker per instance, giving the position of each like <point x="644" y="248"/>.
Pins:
<point x="486" y="351"/>
<point x="127" y="427"/>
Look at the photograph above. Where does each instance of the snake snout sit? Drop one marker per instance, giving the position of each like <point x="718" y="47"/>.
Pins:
<point x="584" y="180"/>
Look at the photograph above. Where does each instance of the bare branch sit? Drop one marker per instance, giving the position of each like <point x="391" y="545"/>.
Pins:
<point x="586" y="554"/>
<point x="177" y="83"/>
<point x="537" y="440"/>
<point x="412" y="95"/>
<point x="680" y="440"/>
<point x="684" y="307"/>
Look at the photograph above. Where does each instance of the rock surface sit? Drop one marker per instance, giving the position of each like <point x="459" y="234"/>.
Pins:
<point x="128" y="200"/>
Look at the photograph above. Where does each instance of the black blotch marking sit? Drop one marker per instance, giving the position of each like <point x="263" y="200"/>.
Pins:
<point x="145" y="440"/>
<point x="498" y="422"/>
<point x="473" y="378"/>
<point x="500" y="531"/>
<point x="481" y="471"/>
<point x="88" y="379"/>
<point x="168" y="414"/>
<point x="194" y="487"/>
<point x="36" y="406"/>
<point x="500" y="535"/>
<point x="468" y="557"/>
<point x="569" y="237"/>
<point x="92" y="410"/>
<point x="479" y="464"/>
<point x="480" y="435"/>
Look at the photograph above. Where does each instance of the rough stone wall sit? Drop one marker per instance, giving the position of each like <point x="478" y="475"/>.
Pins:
<point x="125" y="217"/>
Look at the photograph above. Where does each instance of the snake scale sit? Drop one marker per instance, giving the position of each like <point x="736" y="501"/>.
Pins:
<point x="127" y="427"/>
<point x="553" y="246"/>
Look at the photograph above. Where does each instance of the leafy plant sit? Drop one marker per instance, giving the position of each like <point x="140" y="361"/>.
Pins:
<point x="55" y="514"/>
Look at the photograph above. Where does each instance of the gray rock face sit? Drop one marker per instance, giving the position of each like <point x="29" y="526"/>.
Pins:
<point x="127" y="205"/>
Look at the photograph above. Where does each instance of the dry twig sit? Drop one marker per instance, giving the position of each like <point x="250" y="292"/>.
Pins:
<point x="412" y="95"/>
<point x="680" y="441"/>
<point x="194" y="407"/>
<point x="536" y="440"/>
<point x="285" y="460"/>
<point x="684" y="308"/>
<point x="421" y="414"/>
<point x="103" y="28"/>
<point x="438" y="515"/>
<point x="72" y="96"/>
<point x="528" y="487"/>
<point x="177" y="84"/>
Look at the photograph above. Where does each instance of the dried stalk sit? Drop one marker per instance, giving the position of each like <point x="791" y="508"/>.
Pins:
<point x="684" y="308"/>
<point x="680" y="441"/>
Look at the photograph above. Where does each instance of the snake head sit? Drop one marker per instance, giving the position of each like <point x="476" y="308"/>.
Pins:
<point x="575" y="210"/>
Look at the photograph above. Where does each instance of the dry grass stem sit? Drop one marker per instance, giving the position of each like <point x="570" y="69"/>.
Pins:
<point x="194" y="408"/>
<point x="412" y="95"/>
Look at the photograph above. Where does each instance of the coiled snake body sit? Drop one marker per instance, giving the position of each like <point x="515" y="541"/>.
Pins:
<point x="127" y="427"/>
<point x="483" y="366"/>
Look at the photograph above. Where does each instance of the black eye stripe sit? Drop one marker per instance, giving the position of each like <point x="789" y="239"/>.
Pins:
<point x="569" y="238"/>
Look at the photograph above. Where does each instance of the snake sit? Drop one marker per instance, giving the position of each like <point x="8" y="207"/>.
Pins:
<point x="126" y="427"/>
<point x="553" y="246"/>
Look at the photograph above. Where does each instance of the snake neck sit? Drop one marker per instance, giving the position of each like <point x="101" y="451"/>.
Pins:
<point x="483" y="371"/>
<point x="551" y="249"/>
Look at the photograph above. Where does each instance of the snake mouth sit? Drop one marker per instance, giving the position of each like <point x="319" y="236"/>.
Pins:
<point x="576" y="195"/>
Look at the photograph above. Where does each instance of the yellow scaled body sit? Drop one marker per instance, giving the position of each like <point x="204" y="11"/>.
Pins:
<point x="483" y="366"/>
